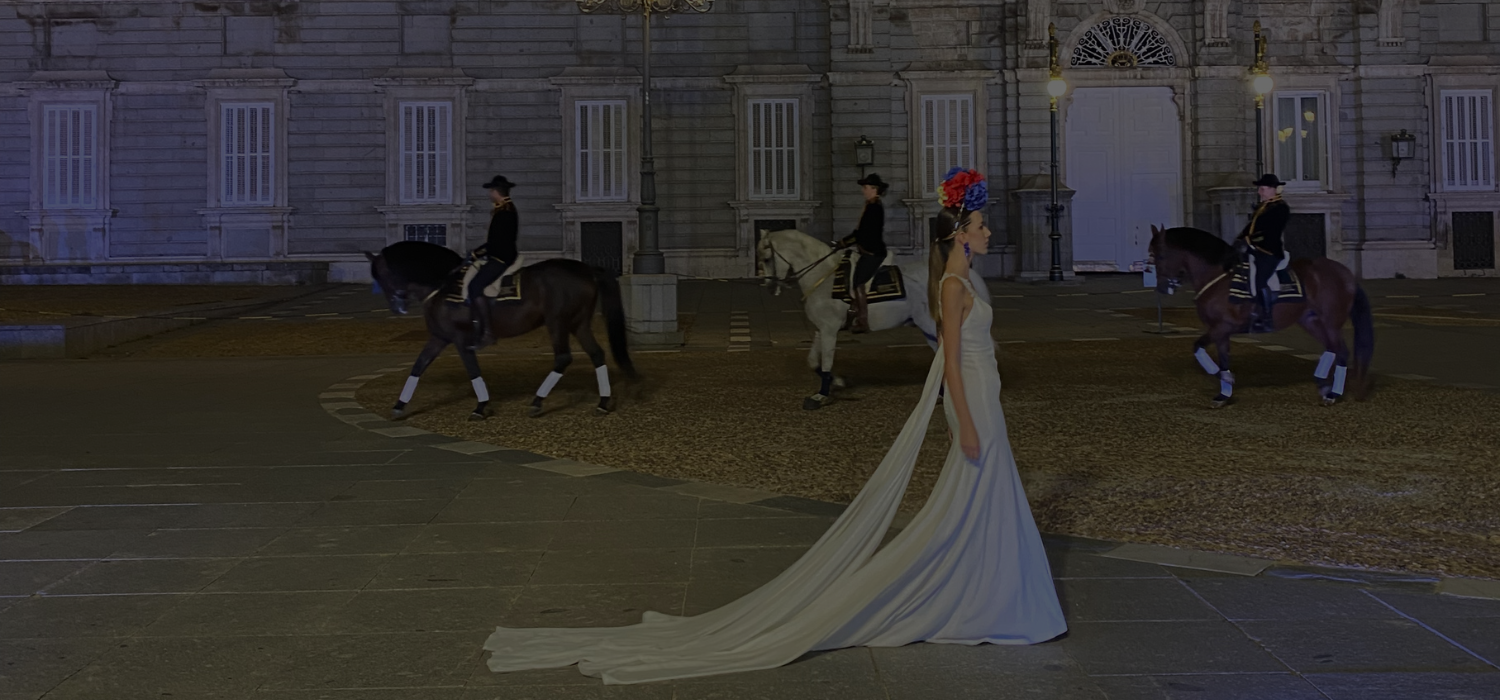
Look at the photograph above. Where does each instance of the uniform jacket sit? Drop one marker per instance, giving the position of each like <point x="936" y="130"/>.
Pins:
<point x="1263" y="233"/>
<point x="870" y="236"/>
<point x="505" y="225"/>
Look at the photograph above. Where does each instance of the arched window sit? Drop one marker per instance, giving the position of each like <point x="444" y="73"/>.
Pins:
<point x="1123" y="42"/>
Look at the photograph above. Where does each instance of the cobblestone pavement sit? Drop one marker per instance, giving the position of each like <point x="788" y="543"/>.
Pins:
<point x="211" y="528"/>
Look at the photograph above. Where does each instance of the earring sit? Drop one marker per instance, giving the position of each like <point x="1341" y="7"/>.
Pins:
<point x="966" y="251"/>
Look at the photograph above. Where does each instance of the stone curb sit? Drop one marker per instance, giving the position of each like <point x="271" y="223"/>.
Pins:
<point x="338" y="401"/>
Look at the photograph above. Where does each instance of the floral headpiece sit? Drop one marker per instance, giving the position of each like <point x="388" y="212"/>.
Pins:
<point x="964" y="189"/>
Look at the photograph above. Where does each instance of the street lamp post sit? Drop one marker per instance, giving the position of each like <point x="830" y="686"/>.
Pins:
<point x="648" y="257"/>
<point x="1261" y="84"/>
<point x="1056" y="87"/>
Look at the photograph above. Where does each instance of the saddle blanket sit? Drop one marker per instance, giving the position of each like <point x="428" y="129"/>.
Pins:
<point x="887" y="285"/>
<point x="1239" y="285"/>
<point x="507" y="288"/>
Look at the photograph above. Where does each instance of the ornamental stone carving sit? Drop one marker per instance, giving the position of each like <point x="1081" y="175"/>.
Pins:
<point x="1122" y="42"/>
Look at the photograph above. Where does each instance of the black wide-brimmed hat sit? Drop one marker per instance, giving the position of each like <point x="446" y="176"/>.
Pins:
<point x="1268" y="180"/>
<point x="500" y="183"/>
<point x="873" y="180"/>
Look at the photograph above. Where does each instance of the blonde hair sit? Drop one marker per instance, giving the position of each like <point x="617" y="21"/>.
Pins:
<point x="949" y="221"/>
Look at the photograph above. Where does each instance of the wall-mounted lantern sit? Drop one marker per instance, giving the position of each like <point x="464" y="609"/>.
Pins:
<point x="1403" y="146"/>
<point x="864" y="153"/>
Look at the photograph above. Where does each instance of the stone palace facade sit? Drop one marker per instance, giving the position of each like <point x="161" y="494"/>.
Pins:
<point x="277" y="140"/>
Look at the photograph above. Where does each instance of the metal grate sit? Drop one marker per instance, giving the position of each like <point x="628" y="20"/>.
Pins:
<point x="602" y="244"/>
<point x="1305" y="236"/>
<point x="1473" y="240"/>
<point x="427" y="233"/>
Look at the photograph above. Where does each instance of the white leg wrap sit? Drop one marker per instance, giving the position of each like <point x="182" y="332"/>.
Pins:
<point x="1339" y="375"/>
<point x="1325" y="363"/>
<point x="1226" y="383"/>
<point x="410" y="388"/>
<point x="480" y="390"/>
<point x="602" y="373"/>
<point x="548" y="383"/>
<point x="1207" y="362"/>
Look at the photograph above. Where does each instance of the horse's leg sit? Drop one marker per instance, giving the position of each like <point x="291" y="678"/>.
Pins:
<point x="430" y="352"/>
<point x="585" y="335"/>
<point x="824" y="343"/>
<point x="562" y="356"/>
<point x="481" y="392"/>
<point x="1333" y="367"/>
<point x="1219" y="336"/>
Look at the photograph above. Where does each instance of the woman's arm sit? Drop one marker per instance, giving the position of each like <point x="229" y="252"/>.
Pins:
<point x="953" y="294"/>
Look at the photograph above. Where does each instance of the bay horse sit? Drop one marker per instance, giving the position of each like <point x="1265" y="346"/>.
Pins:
<point x="558" y="293"/>
<point x="1331" y="296"/>
<point x="792" y="257"/>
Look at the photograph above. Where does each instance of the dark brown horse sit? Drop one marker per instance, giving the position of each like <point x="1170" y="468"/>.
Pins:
<point x="559" y="294"/>
<point x="1331" y="296"/>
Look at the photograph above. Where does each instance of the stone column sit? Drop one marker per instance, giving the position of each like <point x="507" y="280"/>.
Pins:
<point x="651" y="309"/>
<point x="1034" y="244"/>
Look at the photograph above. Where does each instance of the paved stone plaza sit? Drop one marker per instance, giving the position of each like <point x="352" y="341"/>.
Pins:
<point x="238" y="528"/>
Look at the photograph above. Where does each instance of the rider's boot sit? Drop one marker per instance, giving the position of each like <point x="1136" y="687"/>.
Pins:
<point x="479" y="311"/>
<point x="861" y="323"/>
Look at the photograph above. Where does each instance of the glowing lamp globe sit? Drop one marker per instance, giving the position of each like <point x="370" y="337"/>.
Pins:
<point x="1056" y="87"/>
<point x="1262" y="84"/>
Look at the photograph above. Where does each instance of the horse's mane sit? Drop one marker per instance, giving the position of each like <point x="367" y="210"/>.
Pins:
<point x="420" y="262"/>
<point x="1206" y="246"/>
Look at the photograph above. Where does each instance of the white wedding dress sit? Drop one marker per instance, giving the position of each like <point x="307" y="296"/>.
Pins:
<point x="968" y="569"/>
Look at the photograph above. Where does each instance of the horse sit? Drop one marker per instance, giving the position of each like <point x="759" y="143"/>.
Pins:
<point x="791" y="256"/>
<point x="1331" y="296"/>
<point x="558" y="293"/>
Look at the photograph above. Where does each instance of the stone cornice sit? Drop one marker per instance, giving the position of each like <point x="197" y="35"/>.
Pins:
<point x="246" y="78"/>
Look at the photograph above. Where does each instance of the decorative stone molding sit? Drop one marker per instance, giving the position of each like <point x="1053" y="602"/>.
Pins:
<point x="1038" y="15"/>
<point x="602" y="83"/>
<point x="1216" y="23"/>
<point x="786" y="81"/>
<point x="1392" y="33"/>
<point x="575" y="214"/>
<point x="247" y="233"/>
<point x="861" y="26"/>
<point x="1123" y="7"/>
<point x="235" y="230"/>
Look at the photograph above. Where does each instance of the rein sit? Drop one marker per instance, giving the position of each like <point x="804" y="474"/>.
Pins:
<point x="792" y="277"/>
<point x="1211" y="283"/>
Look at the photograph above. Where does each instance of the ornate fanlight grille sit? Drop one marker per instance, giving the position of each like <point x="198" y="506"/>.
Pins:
<point x="1123" y="42"/>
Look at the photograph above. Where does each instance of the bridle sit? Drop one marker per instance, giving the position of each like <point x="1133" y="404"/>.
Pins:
<point x="792" y="276"/>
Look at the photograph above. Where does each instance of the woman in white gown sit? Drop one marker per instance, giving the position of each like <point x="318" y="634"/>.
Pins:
<point x="969" y="568"/>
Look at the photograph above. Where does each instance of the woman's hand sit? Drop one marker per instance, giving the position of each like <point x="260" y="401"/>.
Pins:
<point x="968" y="441"/>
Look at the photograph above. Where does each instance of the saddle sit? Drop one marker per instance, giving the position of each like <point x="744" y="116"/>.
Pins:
<point x="505" y="288"/>
<point x="1285" y="286"/>
<point x="886" y="285"/>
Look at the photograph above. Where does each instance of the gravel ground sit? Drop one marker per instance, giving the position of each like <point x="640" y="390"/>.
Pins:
<point x="1114" y="440"/>
<point x="33" y="303"/>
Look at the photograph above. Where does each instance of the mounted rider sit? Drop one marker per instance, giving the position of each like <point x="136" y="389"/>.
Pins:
<point x="1263" y="248"/>
<point x="490" y="260"/>
<point x="870" y="240"/>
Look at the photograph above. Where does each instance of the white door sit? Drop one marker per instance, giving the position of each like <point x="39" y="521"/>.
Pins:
<point x="1124" y="151"/>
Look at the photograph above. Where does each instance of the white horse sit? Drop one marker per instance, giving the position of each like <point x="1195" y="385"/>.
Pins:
<point x="793" y="256"/>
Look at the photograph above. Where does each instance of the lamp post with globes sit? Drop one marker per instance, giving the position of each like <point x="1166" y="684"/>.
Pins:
<point x="1056" y="87"/>
<point x="648" y="257"/>
<point x="1260" y="84"/>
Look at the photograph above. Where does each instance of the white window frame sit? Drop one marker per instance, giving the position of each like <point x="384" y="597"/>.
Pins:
<point x="70" y="177"/>
<point x="944" y="142"/>
<point x="601" y="150"/>
<point x="1292" y="172"/>
<point x="426" y="152"/>
<point x="774" y="165"/>
<point x="58" y="230"/>
<point x="248" y="175"/>
<point x="227" y="213"/>
<point x="1466" y="140"/>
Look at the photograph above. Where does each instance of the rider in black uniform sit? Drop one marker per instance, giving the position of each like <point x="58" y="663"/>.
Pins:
<point x="497" y="253"/>
<point x="871" y="241"/>
<point x="1263" y="245"/>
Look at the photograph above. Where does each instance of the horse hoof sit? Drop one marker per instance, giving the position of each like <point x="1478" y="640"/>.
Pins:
<point x="397" y="414"/>
<point x="605" y="407"/>
<point x="1330" y="400"/>
<point x="1221" y="402"/>
<point x="533" y="411"/>
<point x="839" y="383"/>
<point x="813" y="403"/>
<point x="476" y="415"/>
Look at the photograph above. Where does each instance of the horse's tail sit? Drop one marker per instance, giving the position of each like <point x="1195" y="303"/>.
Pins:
<point x="1364" y="340"/>
<point x="614" y="319"/>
